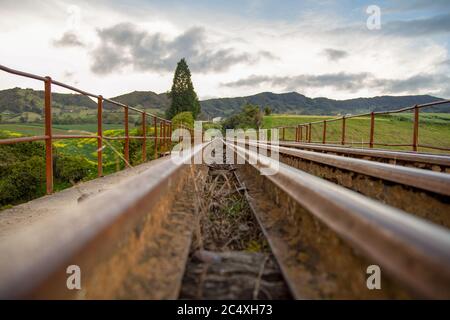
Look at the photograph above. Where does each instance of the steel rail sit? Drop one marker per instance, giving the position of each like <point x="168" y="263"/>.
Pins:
<point x="435" y="182"/>
<point x="415" y="251"/>
<point x="433" y="159"/>
<point x="35" y="259"/>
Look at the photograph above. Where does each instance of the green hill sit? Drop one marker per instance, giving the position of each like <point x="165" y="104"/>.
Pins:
<point x="19" y="100"/>
<point x="147" y="100"/>
<point x="25" y="105"/>
<point x="295" y="103"/>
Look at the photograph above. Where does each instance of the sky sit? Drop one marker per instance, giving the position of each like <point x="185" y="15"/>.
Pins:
<point x="319" y="48"/>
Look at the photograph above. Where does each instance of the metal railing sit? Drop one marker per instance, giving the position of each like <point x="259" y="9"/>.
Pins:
<point x="161" y="136"/>
<point x="303" y="131"/>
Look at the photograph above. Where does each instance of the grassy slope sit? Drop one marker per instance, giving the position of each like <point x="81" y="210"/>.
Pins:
<point x="434" y="128"/>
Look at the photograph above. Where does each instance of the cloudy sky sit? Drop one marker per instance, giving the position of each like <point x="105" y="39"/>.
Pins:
<point x="234" y="48"/>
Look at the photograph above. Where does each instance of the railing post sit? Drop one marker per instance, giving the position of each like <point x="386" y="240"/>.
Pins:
<point x="155" y="124"/>
<point x="296" y="134"/>
<point x="144" y="135"/>
<point x="372" y="128"/>
<point x="301" y="133"/>
<point x="170" y="135"/>
<point x="48" y="134"/>
<point x="343" y="131"/>
<point x="100" y="136"/>
<point x="165" y="135"/>
<point x="161" y="141"/>
<point x="324" y="136"/>
<point x="416" y="128"/>
<point x="284" y="134"/>
<point x="127" y="139"/>
<point x="309" y="132"/>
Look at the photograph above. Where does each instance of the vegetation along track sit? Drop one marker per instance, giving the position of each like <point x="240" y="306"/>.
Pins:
<point x="197" y="231"/>
<point x="424" y="193"/>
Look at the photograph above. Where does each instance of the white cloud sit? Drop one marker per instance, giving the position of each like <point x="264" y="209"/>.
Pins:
<point x="229" y="47"/>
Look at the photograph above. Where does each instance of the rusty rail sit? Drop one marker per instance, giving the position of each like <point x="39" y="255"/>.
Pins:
<point x="163" y="137"/>
<point x="408" y="157"/>
<point x="98" y="236"/>
<point x="435" y="182"/>
<point x="371" y="140"/>
<point x="414" y="251"/>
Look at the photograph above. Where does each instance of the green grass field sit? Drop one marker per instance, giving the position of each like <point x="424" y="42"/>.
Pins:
<point x="434" y="129"/>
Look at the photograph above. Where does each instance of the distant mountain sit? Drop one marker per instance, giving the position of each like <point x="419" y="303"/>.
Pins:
<point x="17" y="101"/>
<point x="144" y="100"/>
<point x="295" y="103"/>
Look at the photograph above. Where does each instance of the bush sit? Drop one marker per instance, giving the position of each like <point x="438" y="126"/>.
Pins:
<point x="185" y="118"/>
<point x="23" y="180"/>
<point x="209" y="125"/>
<point x="72" y="168"/>
<point x="249" y="117"/>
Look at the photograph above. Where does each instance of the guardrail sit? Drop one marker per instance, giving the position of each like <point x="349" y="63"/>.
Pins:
<point x="161" y="136"/>
<point x="307" y="127"/>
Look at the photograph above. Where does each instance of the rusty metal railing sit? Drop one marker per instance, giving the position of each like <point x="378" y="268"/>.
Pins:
<point x="303" y="131"/>
<point x="161" y="136"/>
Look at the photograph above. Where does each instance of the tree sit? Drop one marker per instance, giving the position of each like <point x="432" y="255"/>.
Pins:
<point x="249" y="117"/>
<point x="267" y="111"/>
<point x="182" y="93"/>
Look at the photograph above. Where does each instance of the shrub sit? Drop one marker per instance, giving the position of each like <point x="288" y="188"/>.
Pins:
<point x="72" y="168"/>
<point x="185" y="118"/>
<point x="24" y="180"/>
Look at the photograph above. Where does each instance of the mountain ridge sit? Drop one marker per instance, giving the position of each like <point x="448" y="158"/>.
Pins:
<point x="17" y="100"/>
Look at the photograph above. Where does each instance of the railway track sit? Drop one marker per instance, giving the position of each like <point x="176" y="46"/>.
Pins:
<point x="435" y="162"/>
<point x="422" y="192"/>
<point x="324" y="236"/>
<point x="136" y="241"/>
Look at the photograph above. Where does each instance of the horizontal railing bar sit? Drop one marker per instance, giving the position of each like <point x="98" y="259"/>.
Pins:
<point x="22" y="139"/>
<point x="133" y="137"/>
<point x="425" y="105"/>
<point x="392" y="144"/>
<point x="85" y="93"/>
<point x="64" y="136"/>
<point x="21" y="73"/>
<point x="432" y="147"/>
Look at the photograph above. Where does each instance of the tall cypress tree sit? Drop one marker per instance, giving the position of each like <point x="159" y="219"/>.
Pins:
<point x="182" y="93"/>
